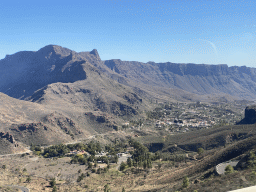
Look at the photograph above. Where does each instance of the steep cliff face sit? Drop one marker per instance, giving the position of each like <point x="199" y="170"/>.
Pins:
<point x="249" y="115"/>
<point x="199" y="79"/>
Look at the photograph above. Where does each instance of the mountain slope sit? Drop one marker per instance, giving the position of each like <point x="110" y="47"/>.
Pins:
<point x="60" y="86"/>
<point x="25" y="73"/>
<point x="28" y="123"/>
<point x="200" y="79"/>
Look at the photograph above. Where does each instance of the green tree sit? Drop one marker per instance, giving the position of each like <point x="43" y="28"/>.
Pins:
<point x="4" y="166"/>
<point x="251" y="160"/>
<point x="200" y="151"/>
<point x="32" y="147"/>
<point x="122" y="166"/>
<point x="54" y="189"/>
<point x="149" y="163"/>
<point x="115" y="159"/>
<point x="99" y="171"/>
<point x="185" y="183"/>
<point x="28" y="179"/>
<point x="107" y="188"/>
<point x="37" y="148"/>
<point x="129" y="162"/>
<point x="52" y="182"/>
<point x="159" y="166"/>
<point x="123" y="190"/>
<point x="81" y="177"/>
<point x="144" y="164"/>
<point x="98" y="147"/>
<point x="38" y="153"/>
<point x="229" y="169"/>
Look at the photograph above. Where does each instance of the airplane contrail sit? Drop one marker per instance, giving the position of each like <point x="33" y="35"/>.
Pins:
<point x="213" y="46"/>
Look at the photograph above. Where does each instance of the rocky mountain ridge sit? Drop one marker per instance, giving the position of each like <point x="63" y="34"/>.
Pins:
<point x="201" y="79"/>
<point x="56" y="80"/>
<point x="97" y="95"/>
<point x="25" y="72"/>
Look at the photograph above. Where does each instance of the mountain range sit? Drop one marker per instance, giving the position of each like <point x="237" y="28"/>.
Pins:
<point x="59" y="93"/>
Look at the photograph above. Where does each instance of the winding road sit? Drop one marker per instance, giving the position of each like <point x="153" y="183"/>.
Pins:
<point x="220" y="168"/>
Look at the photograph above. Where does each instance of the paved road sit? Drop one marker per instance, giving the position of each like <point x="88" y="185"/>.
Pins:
<point x="220" y="168"/>
<point x="122" y="159"/>
<point x="247" y="189"/>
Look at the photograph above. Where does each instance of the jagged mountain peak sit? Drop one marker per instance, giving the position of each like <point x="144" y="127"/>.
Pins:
<point x="91" y="56"/>
<point x="95" y="52"/>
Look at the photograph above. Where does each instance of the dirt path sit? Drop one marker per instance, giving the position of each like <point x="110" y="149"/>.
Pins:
<point x="74" y="142"/>
<point x="6" y="155"/>
<point x="23" y="189"/>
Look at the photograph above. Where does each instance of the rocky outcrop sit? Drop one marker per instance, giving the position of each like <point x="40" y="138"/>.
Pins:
<point x="249" y="115"/>
<point x="121" y="109"/>
<point x="64" y="123"/>
<point x="9" y="137"/>
<point x="95" y="52"/>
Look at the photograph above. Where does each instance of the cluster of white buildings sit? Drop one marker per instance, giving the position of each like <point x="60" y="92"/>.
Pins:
<point x="193" y="123"/>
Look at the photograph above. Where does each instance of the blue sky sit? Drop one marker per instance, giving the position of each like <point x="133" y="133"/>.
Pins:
<point x="178" y="31"/>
